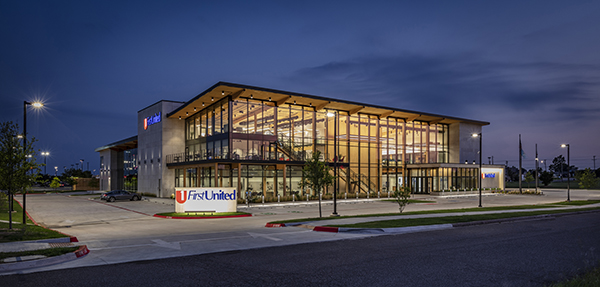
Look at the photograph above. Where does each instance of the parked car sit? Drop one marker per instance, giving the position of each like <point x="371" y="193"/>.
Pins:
<point x="120" y="194"/>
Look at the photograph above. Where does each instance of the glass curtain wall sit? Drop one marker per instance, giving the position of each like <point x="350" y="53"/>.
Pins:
<point x="373" y="151"/>
<point x="130" y="170"/>
<point x="426" y="180"/>
<point x="206" y="133"/>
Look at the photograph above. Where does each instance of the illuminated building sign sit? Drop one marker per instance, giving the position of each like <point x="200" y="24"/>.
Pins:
<point x="210" y="199"/>
<point x="155" y="119"/>
<point x="488" y="175"/>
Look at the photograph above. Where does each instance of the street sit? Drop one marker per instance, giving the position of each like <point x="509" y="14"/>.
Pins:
<point x="524" y="253"/>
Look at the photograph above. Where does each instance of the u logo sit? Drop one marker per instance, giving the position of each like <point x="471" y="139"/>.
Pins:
<point x="145" y="123"/>
<point x="181" y="196"/>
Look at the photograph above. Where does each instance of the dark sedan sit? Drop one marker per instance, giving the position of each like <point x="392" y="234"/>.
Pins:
<point x="120" y="194"/>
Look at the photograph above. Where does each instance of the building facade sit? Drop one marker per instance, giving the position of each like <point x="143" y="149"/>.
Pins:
<point x="257" y="139"/>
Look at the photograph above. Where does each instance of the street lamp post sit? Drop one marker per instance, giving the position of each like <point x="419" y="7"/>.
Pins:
<point x="568" y="170"/>
<point x="35" y="105"/>
<point x="45" y="154"/>
<point x="480" y="174"/>
<point x="55" y="170"/>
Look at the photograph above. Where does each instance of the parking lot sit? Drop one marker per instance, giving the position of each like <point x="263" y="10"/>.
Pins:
<point x="124" y="231"/>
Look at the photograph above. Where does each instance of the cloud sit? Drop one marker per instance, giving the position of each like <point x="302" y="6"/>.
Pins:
<point x="458" y="84"/>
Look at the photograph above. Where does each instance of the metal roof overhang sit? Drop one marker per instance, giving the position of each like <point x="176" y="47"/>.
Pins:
<point x="122" y="145"/>
<point x="277" y="97"/>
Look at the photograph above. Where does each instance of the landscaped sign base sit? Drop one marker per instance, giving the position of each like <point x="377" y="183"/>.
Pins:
<point x="205" y="199"/>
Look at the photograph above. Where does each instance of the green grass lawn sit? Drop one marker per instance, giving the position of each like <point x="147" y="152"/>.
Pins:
<point x="588" y="279"/>
<point x="45" y="252"/>
<point x="474" y="209"/>
<point x="31" y="232"/>
<point x="450" y="219"/>
<point x="16" y="216"/>
<point x="18" y="233"/>
<point x="201" y="214"/>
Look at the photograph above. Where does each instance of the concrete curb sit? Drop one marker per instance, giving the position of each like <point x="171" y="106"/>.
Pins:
<point x="201" y="217"/>
<point x="57" y="240"/>
<point x="412" y="229"/>
<point x="72" y="239"/>
<point x="7" y="267"/>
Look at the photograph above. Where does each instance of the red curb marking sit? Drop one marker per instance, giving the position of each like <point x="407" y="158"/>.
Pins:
<point x="28" y="216"/>
<point x="73" y="239"/>
<point x="275" y="224"/>
<point x="205" y="217"/>
<point x="326" y="229"/>
<point x="82" y="251"/>
<point x="37" y="224"/>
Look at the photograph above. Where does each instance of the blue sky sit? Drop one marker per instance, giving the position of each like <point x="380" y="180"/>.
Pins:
<point x="527" y="67"/>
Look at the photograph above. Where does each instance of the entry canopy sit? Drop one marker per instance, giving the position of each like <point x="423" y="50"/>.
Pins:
<point x="277" y="97"/>
<point x="122" y="145"/>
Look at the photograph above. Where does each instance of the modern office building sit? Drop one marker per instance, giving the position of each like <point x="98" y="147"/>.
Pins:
<point x="258" y="139"/>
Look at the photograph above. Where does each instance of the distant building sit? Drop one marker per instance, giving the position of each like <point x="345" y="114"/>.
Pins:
<point x="258" y="139"/>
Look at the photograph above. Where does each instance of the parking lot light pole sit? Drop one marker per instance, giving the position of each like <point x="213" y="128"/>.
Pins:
<point x="568" y="170"/>
<point x="45" y="154"/>
<point x="36" y="105"/>
<point x="475" y="135"/>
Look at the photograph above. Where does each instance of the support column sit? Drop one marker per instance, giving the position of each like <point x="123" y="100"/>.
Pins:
<point x="284" y="179"/>
<point x="216" y="166"/>
<point x="239" y="177"/>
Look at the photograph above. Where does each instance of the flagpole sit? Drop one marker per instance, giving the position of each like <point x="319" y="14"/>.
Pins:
<point x="520" y="164"/>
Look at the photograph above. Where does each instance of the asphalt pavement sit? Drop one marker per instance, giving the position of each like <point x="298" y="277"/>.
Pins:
<point x="126" y="231"/>
<point x="524" y="253"/>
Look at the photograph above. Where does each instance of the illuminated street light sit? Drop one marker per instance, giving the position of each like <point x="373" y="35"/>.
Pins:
<point x="45" y="154"/>
<point x="36" y="105"/>
<point x="475" y="135"/>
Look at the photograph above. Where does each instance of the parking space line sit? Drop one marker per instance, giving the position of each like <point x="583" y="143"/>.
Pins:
<point x="126" y="209"/>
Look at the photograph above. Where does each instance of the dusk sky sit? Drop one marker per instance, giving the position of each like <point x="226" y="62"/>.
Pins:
<point x="527" y="67"/>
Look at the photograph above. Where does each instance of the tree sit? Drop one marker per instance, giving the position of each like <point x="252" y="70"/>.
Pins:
<point x="75" y="172"/>
<point x="529" y="178"/>
<point x="512" y="173"/>
<point x="402" y="196"/>
<point x="316" y="176"/>
<point x="18" y="168"/>
<point x="546" y="177"/>
<point x="559" y="165"/>
<point x="587" y="179"/>
<point x="55" y="183"/>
